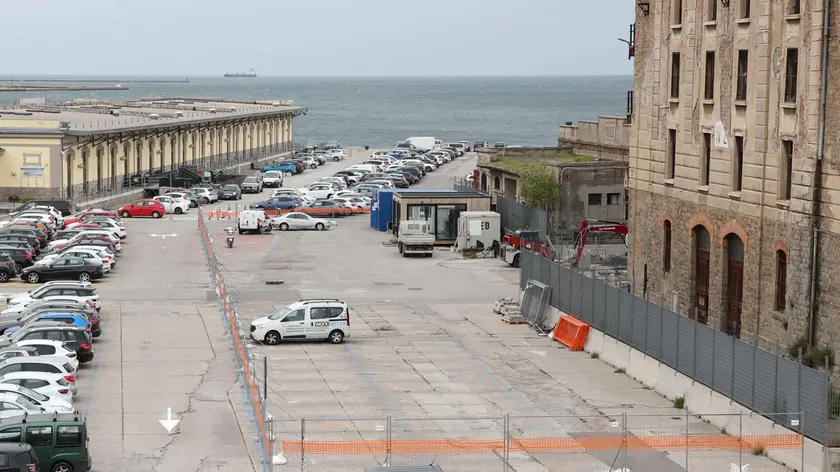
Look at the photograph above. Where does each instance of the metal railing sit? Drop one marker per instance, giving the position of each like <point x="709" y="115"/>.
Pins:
<point x="760" y="380"/>
<point x="509" y="442"/>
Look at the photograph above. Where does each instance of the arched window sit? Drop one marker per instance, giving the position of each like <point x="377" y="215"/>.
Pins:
<point x="781" y="280"/>
<point x="497" y="184"/>
<point x="666" y="246"/>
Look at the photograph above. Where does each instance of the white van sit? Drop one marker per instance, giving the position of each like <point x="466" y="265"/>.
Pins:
<point x="366" y="167"/>
<point x="313" y="319"/>
<point x="253" y="220"/>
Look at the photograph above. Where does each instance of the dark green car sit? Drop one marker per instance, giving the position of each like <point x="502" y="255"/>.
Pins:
<point x="59" y="440"/>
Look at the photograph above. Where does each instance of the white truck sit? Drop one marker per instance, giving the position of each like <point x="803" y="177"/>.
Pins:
<point x="413" y="238"/>
<point x="254" y="221"/>
<point x="425" y="143"/>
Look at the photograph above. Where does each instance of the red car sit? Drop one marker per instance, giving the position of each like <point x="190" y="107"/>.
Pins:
<point x="81" y="216"/>
<point x="143" y="207"/>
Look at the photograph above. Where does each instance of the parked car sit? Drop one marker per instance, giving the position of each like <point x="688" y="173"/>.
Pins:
<point x="479" y="144"/>
<point x="189" y="196"/>
<point x="144" y="207"/>
<point x="49" y="364"/>
<point x="205" y="195"/>
<point x="79" y="291"/>
<point x="319" y="190"/>
<point x="51" y="385"/>
<point x="8" y="267"/>
<point x="50" y="304"/>
<point x="40" y="236"/>
<point x="91" y="254"/>
<point x="281" y="202"/>
<point x="65" y="268"/>
<point x="64" y="206"/>
<point x="296" y="220"/>
<point x="170" y="205"/>
<point x="74" y="337"/>
<point x="305" y="320"/>
<point x="286" y="167"/>
<point x="60" y="442"/>
<point x="53" y="404"/>
<point x="304" y="199"/>
<point x="252" y="185"/>
<point x="310" y="162"/>
<point x="273" y="178"/>
<point x="231" y="192"/>
<point x="47" y="347"/>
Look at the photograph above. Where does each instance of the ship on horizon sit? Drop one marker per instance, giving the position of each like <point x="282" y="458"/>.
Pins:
<point x="250" y="73"/>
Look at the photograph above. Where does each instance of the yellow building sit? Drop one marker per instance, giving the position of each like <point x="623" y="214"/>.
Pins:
<point x="94" y="150"/>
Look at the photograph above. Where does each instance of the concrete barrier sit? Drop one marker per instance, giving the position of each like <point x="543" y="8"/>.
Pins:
<point x="671" y="384"/>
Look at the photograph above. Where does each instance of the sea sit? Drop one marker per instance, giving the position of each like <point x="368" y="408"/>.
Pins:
<point x="380" y="111"/>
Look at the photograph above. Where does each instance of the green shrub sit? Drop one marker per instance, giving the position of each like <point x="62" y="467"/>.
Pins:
<point x="679" y="402"/>
<point x="812" y="356"/>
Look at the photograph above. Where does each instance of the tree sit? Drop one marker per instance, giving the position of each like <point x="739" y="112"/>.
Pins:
<point x="538" y="187"/>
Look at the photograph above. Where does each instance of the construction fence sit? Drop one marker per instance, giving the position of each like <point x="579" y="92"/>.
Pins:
<point x="510" y="443"/>
<point x="251" y="392"/>
<point x="762" y="381"/>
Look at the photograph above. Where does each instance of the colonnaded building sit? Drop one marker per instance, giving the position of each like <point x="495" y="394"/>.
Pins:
<point x="106" y="151"/>
<point x="734" y="153"/>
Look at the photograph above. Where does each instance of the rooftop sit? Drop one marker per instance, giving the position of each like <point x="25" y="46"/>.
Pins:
<point x="517" y="160"/>
<point x="86" y="117"/>
<point x="438" y="193"/>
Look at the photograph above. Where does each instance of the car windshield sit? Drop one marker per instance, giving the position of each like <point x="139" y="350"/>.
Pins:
<point x="280" y="314"/>
<point x="250" y="179"/>
<point x="21" y="400"/>
<point x="271" y="174"/>
<point x="231" y="187"/>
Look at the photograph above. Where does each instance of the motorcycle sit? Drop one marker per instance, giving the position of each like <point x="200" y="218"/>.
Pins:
<point x="229" y="233"/>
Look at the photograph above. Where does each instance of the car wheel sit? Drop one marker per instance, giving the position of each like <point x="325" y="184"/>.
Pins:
<point x="272" y="338"/>
<point x="62" y="467"/>
<point x="4" y="277"/>
<point x="155" y="214"/>
<point x="319" y="226"/>
<point x="240" y="229"/>
<point x="33" y="277"/>
<point x="336" y="337"/>
<point x="516" y="260"/>
<point x="335" y="158"/>
<point x="126" y="214"/>
<point x="402" y="248"/>
<point x="288" y="174"/>
<point x="283" y="226"/>
<point x="84" y="277"/>
<point x="179" y="211"/>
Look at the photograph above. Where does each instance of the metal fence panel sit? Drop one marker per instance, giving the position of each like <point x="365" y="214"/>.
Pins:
<point x="638" y="322"/>
<point x="814" y="393"/>
<point x="625" y="319"/>
<point x="765" y="381"/>
<point x="587" y="292"/>
<point x="704" y="362"/>
<point x="611" y="294"/>
<point x="654" y="331"/>
<point x="670" y="330"/>
<point x="724" y="373"/>
<point x="516" y="215"/>
<point x="787" y="386"/>
<point x="685" y="345"/>
<point x="758" y="379"/>
<point x="744" y="383"/>
<point x="526" y="263"/>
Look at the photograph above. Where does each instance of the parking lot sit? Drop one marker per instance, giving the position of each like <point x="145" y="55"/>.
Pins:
<point x="425" y="350"/>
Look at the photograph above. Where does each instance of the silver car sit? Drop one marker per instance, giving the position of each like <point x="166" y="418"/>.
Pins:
<point x="296" y="220"/>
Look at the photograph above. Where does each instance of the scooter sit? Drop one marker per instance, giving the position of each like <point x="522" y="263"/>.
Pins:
<point x="229" y="233"/>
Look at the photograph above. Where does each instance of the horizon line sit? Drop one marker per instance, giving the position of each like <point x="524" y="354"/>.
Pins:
<point x="5" y="77"/>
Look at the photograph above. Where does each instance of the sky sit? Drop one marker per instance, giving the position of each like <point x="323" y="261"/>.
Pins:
<point x="316" y="37"/>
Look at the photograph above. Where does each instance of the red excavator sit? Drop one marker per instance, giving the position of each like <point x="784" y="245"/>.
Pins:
<point x="513" y="243"/>
<point x="586" y="228"/>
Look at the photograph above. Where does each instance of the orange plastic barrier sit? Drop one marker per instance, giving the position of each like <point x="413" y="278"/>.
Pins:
<point x="572" y="332"/>
<point x="583" y="443"/>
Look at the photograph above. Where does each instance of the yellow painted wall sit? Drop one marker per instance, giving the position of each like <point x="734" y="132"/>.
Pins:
<point x="29" y="153"/>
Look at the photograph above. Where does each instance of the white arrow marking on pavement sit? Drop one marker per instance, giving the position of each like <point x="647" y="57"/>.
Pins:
<point x="163" y="236"/>
<point x="169" y="424"/>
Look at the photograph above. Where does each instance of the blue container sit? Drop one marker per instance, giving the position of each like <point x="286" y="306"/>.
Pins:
<point x="374" y="210"/>
<point x="384" y="208"/>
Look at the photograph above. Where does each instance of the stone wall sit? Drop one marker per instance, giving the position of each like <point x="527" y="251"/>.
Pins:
<point x="607" y="138"/>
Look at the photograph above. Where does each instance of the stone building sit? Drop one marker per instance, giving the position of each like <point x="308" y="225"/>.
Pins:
<point x="607" y="138"/>
<point x="734" y="148"/>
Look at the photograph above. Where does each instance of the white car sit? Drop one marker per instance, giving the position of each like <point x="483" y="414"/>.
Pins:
<point x="296" y="220"/>
<point x="319" y="319"/>
<point x="381" y="154"/>
<point x="336" y="154"/>
<point x="17" y="401"/>
<point x="62" y="243"/>
<point x="273" y="178"/>
<point x="51" y="347"/>
<point x="310" y="162"/>
<point x="205" y="195"/>
<point x="88" y="254"/>
<point x="78" y="292"/>
<point x="51" y="385"/>
<point x="102" y="252"/>
<point x="51" y="364"/>
<point x="56" y="402"/>
<point x="347" y="202"/>
<point x="319" y="191"/>
<point x="171" y="205"/>
<point x="294" y="192"/>
<point x="335" y="181"/>
<point x="37" y="216"/>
